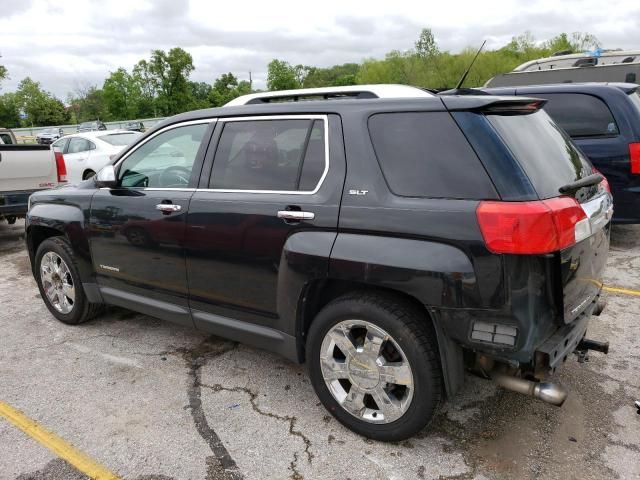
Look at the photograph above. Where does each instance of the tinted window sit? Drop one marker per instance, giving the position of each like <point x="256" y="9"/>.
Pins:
<point x="164" y="161"/>
<point x="77" y="145"/>
<point x="426" y="155"/>
<point x="119" y="139"/>
<point x="6" y="138"/>
<point x="545" y="152"/>
<point x="580" y="115"/>
<point x="283" y="155"/>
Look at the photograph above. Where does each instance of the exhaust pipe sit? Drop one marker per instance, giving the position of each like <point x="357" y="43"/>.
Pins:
<point x="547" y="392"/>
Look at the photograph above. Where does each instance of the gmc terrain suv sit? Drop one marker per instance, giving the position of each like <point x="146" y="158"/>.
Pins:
<point x="387" y="237"/>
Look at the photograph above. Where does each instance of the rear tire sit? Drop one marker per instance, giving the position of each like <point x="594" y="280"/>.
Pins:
<point x="88" y="174"/>
<point x="59" y="282"/>
<point x="373" y="361"/>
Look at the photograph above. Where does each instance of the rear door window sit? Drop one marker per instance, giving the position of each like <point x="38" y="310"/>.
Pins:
<point x="580" y="115"/>
<point x="424" y="154"/>
<point x="270" y="155"/>
<point x="545" y="152"/>
<point x="78" y="144"/>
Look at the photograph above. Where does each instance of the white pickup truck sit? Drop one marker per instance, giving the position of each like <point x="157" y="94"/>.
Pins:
<point x="25" y="169"/>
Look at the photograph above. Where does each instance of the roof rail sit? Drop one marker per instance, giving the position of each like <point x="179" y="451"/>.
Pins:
<point x="332" y="93"/>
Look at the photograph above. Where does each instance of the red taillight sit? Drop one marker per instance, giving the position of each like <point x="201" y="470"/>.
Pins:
<point x="60" y="167"/>
<point x="634" y="156"/>
<point x="604" y="182"/>
<point x="537" y="227"/>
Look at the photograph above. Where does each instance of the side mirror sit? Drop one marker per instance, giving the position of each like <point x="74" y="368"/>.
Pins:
<point x="106" y="178"/>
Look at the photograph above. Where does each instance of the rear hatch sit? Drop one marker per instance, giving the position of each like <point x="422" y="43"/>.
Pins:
<point x="557" y="171"/>
<point x="27" y="167"/>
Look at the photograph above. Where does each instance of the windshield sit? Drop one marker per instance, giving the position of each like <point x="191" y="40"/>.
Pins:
<point x="50" y="131"/>
<point x="119" y="139"/>
<point x="546" y="154"/>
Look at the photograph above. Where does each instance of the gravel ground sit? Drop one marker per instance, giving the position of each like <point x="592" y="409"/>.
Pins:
<point x="150" y="400"/>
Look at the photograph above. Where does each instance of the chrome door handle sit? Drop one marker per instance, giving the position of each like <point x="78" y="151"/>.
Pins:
<point x="168" y="208"/>
<point x="296" y="215"/>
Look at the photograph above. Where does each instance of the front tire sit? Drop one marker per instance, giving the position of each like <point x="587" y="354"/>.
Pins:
<point x="59" y="282"/>
<point x="374" y="364"/>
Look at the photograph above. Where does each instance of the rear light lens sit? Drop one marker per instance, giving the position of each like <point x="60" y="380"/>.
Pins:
<point x="604" y="182"/>
<point x="60" y="166"/>
<point x="634" y="156"/>
<point x="532" y="228"/>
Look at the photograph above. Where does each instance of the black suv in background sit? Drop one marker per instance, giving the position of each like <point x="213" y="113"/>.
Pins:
<point x="387" y="243"/>
<point x="603" y="119"/>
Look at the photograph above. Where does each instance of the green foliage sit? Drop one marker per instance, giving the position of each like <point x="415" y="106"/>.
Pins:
<point x="226" y="88"/>
<point x="427" y="66"/>
<point x="282" y="76"/>
<point x="121" y="93"/>
<point x="9" y="111"/>
<point x="338" y="75"/>
<point x="3" y="73"/>
<point x="41" y="107"/>
<point x="87" y="105"/>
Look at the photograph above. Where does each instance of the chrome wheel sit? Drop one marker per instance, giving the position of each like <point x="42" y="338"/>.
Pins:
<point x="366" y="371"/>
<point x="57" y="282"/>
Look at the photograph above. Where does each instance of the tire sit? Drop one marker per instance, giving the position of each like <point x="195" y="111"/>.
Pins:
<point x="408" y="339"/>
<point x="88" y="174"/>
<point x="75" y="307"/>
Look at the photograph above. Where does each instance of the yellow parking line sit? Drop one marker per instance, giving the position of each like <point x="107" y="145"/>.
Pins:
<point x="625" y="291"/>
<point x="56" y="444"/>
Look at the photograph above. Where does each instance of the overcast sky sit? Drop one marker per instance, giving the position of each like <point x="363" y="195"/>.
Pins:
<point x="67" y="44"/>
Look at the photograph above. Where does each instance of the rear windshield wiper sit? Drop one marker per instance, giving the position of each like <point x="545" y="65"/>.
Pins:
<point x="588" y="181"/>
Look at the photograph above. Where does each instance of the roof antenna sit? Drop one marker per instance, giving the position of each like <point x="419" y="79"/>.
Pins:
<point x="464" y="75"/>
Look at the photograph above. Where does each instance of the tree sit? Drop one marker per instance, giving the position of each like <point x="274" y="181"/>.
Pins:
<point x="226" y="88"/>
<point x="200" y="93"/>
<point x="9" y="111"/>
<point x="121" y="95"/>
<point x="87" y="104"/>
<point x="171" y="71"/>
<point x="282" y="76"/>
<point x="426" y="45"/>
<point x="148" y="84"/>
<point x="41" y="107"/>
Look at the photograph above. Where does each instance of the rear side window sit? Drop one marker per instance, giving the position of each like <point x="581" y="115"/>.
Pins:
<point x="635" y="99"/>
<point x="545" y="152"/>
<point x="580" y="115"/>
<point x="78" y="144"/>
<point x="270" y="155"/>
<point x="6" y="138"/>
<point x="424" y="154"/>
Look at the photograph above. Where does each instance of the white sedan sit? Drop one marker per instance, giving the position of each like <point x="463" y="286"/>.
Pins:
<point x="86" y="153"/>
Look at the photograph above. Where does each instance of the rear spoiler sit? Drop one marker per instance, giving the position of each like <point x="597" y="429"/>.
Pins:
<point x="493" y="104"/>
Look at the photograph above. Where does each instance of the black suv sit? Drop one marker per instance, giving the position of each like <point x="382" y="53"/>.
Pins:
<point x="388" y="243"/>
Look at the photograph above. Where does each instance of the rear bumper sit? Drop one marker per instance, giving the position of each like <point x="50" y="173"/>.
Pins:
<point x="15" y="203"/>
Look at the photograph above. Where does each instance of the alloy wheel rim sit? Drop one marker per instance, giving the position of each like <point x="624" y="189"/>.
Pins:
<point x="57" y="282"/>
<point x="366" y="371"/>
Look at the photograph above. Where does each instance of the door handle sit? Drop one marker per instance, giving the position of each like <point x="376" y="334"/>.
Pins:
<point x="168" y="208"/>
<point x="296" y="215"/>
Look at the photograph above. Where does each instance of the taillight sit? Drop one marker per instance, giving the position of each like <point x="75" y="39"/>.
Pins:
<point x="604" y="182"/>
<point x="536" y="227"/>
<point x="634" y="156"/>
<point x="60" y="167"/>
